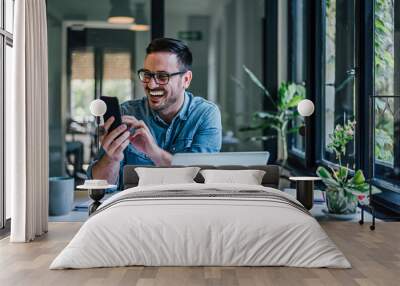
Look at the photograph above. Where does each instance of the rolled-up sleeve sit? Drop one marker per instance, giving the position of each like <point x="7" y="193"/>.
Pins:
<point x="89" y="172"/>
<point x="208" y="137"/>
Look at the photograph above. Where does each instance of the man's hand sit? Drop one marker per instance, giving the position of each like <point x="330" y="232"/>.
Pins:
<point x="144" y="141"/>
<point x="113" y="145"/>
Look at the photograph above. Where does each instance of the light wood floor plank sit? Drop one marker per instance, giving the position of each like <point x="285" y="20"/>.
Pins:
<point x="375" y="257"/>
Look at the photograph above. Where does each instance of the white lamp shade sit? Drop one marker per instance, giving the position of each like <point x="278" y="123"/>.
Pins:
<point x="98" y="107"/>
<point x="305" y="107"/>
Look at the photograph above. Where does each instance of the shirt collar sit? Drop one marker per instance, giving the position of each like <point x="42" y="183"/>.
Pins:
<point x="184" y="112"/>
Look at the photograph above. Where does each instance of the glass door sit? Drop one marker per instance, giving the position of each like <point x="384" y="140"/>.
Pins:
<point x="6" y="44"/>
<point x="387" y="85"/>
<point x="339" y="71"/>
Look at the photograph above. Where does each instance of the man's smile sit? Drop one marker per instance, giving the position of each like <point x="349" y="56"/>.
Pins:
<point x="156" y="93"/>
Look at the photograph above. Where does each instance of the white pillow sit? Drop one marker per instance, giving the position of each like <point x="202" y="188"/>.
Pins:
<point x="248" y="177"/>
<point x="164" y="176"/>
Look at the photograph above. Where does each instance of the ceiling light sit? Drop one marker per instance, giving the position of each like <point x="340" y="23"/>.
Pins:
<point x="120" y="12"/>
<point x="141" y="23"/>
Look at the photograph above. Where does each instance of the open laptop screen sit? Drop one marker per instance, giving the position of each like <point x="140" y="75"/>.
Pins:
<point x="222" y="158"/>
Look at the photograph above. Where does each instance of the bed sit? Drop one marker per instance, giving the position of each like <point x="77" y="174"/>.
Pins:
<point x="198" y="224"/>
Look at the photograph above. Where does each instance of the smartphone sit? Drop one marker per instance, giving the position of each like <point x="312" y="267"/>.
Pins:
<point x="113" y="109"/>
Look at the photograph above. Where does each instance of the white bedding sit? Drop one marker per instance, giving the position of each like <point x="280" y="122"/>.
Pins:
<point x="185" y="231"/>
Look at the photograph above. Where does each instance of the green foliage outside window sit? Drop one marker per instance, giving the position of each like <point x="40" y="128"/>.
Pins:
<point x="384" y="79"/>
<point x="82" y="91"/>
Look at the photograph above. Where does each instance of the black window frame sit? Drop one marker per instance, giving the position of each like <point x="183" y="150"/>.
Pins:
<point x="77" y="40"/>
<point x="6" y="39"/>
<point x="364" y="89"/>
<point x="328" y="158"/>
<point x="293" y="60"/>
<point x="308" y="159"/>
<point x="392" y="182"/>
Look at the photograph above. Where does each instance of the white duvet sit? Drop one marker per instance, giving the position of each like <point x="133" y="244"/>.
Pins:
<point x="200" y="231"/>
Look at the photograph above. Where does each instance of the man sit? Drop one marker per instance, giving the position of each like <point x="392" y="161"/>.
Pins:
<point x="169" y="120"/>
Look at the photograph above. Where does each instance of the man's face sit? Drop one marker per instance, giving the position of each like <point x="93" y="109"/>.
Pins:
<point x="168" y="97"/>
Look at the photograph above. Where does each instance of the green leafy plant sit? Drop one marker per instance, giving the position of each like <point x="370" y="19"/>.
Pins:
<point x="341" y="136"/>
<point x="289" y="95"/>
<point x="346" y="188"/>
<point x="384" y="25"/>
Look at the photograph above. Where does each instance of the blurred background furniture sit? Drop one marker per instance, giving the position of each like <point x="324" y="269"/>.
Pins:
<point x="61" y="195"/>
<point x="80" y="149"/>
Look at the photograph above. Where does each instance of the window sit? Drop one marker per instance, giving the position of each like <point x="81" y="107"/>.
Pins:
<point x="117" y="76"/>
<point x="101" y="60"/>
<point x="6" y="44"/>
<point x="298" y="63"/>
<point x="116" y="81"/>
<point x="101" y="63"/>
<point x="82" y="83"/>
<point x="387" y="84"/>
<point x="339" y="71"/>
<point x="9" y="16"/>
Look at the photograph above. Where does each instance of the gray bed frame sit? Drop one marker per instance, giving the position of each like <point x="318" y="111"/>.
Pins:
<point x="270" y="179"/>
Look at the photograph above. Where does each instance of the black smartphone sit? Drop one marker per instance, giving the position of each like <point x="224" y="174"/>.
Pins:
<point x="113" y="109"/>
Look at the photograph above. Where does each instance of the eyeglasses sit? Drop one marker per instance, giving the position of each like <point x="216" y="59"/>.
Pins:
<point x="160" y="78"/>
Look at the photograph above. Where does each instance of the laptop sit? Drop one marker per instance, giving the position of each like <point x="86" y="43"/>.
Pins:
<point x="221" y="158"/>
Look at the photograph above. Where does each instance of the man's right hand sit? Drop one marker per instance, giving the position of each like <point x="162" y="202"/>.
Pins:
<point x="115" y="142"/>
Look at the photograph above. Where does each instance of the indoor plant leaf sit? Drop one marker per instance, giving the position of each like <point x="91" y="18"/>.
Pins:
<point x="258" y="83"/>
<point x="263" y="114"/>
<point x="358" y="178"/>
<point x="342" y="173"/>
<point x="327" y="178"/>
<point x="322" y="172"/>
<point x="295" y="101"/>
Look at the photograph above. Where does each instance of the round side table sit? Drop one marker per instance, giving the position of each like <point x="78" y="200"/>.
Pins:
<point x="96" y="193"/>
<point x="305" y="190"/>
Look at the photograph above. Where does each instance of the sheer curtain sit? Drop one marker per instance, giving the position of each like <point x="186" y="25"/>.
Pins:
<point x="27" y="124"/>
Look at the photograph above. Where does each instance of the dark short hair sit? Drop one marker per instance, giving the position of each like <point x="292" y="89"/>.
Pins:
<point x="179" y="48"/>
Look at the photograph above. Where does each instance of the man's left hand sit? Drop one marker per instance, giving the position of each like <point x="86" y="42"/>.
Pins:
<point x="144" y="141"/>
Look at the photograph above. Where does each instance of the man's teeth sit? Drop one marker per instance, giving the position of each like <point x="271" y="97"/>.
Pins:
<point x="156" y="93"/>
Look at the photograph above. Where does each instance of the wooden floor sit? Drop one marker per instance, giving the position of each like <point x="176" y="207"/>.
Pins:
<point x="375" y="257"/>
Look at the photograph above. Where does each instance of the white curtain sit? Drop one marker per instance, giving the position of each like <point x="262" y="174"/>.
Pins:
<point x="27" y="124"/>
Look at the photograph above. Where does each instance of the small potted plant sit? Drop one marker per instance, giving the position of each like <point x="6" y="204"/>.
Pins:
<point x="343" y="191"/>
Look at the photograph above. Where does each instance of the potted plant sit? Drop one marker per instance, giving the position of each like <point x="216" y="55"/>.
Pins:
<point x="343" y="191"/>
<point x="289" y="95"/>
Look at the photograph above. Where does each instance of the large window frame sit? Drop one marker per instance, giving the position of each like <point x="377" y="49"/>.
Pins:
<point x="391" y="179"/>
<point x="345" y="61"/>
<point x="312" y="18"/>
<point x="298" y="30"/>
<point x="364" y="89"/>
<point x="6" y="39"/>
<point x="76" y="43"/>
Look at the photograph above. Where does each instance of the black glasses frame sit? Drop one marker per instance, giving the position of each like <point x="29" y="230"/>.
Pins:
<point x="154" y="75"/>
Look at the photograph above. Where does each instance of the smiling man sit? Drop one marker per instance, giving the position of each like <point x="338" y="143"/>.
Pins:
<point x="168" y="120"/>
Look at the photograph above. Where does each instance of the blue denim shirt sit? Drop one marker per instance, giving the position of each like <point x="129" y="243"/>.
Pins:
<point x="196" y="128"/>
